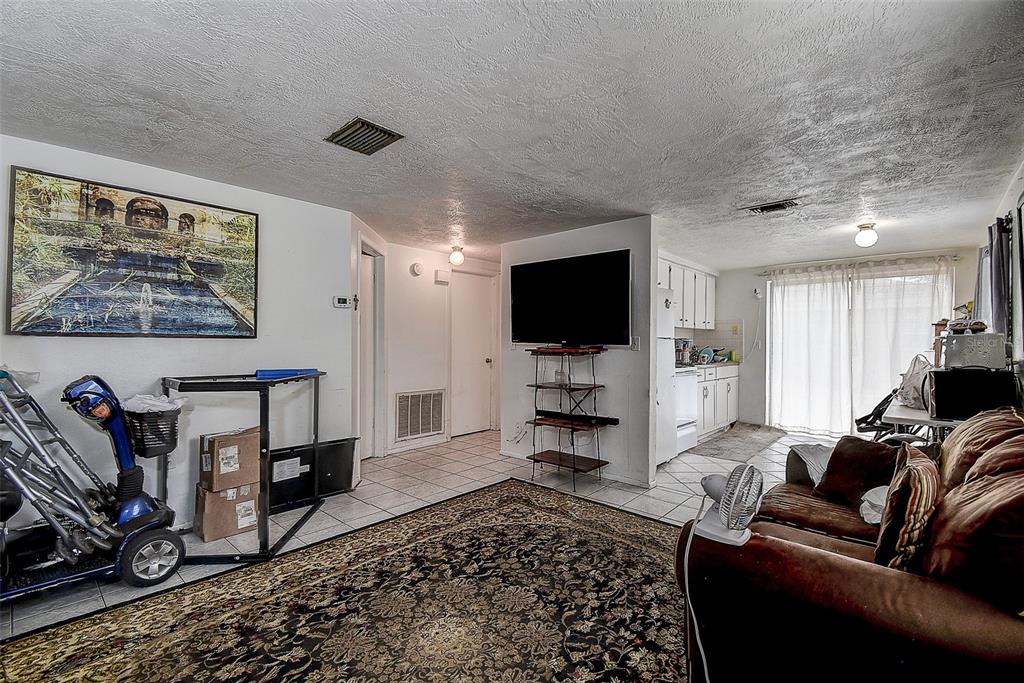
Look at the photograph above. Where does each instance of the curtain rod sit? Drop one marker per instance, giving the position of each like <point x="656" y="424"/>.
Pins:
<point x="884" y="257"/>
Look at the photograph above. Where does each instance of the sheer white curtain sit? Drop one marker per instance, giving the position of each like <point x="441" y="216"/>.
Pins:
<point x="809" y="349"/>
<point x="894" y="305"/>
<point x="840" y="335"/>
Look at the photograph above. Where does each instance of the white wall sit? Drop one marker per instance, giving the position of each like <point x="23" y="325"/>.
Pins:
<point x="303" y="261"/>
<point x="735" y="301"/>
<point x="418" y="330"/>
<point x="628" y="375"/>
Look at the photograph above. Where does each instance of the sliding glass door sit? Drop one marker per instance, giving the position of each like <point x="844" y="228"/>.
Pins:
<point x="841" y="334"/>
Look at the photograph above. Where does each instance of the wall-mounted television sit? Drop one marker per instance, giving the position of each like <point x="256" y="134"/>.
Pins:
<point x="572" y="301"/>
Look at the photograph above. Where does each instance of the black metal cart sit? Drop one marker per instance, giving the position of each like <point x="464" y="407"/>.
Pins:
<point x="225" y="383"/>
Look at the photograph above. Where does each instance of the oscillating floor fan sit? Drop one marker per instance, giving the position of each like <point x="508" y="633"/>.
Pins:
<point x="737" y="498"/>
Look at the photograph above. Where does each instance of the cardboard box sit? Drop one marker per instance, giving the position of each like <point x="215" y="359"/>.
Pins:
<point x="225" y="513"/>
<point x="229" y="459"/>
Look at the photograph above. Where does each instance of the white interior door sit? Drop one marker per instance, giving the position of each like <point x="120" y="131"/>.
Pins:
<point x="367" y="353"/>
<point x="472" y="298"/>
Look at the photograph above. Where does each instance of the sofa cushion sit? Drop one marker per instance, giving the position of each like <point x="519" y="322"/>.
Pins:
<point x="854" y="549"/>
<point x="1006" y="457"/>
<point x="796" y="505"/>
<point x="856" y="465"/>
<point x="976" y="540"/>
<point x="974" y="437"/>
<point x="913" y="494"/>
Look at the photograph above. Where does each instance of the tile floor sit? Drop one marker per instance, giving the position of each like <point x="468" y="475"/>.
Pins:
<point x="401" y="483"/>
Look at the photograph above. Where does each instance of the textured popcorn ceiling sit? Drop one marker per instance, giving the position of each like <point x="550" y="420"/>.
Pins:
<point x="523" y="119"/>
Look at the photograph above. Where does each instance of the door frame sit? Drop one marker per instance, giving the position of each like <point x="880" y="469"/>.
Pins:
<point x="493" y="412"/>
<point x="379" y="446"/>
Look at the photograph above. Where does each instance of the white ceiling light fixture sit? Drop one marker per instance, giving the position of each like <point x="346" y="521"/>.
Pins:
<point x="866" y="235"/>
<point x="456" y="258"/>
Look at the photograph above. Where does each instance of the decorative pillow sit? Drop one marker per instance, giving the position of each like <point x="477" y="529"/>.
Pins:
<point x="969" y="441"/>
<point x="908" y="507"/>
<point x="976" y="540"/>
<point x="855" y="466"/>
<point x="1006" y="457"/>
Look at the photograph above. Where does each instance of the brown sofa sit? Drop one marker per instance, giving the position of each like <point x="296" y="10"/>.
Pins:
<point x="803" y="600"/>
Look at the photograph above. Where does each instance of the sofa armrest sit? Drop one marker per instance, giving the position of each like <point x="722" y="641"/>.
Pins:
<point x="796" y="470"/>
<point x="798" y="613"/>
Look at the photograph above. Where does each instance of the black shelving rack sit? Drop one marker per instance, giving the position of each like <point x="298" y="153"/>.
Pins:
<point x="573" y="415"/>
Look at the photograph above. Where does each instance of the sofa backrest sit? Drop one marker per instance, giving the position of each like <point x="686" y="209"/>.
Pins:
<point x="976" y="436"/>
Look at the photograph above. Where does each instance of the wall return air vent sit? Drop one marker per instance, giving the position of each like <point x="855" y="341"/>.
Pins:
<point x="419" y="414"/>
<point x="772" y="207"/>
<point x="359" y="135"/>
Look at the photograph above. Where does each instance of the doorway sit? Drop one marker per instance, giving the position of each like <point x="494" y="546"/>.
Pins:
<point x="473" y="324"/>
<point x="370" y="371"/>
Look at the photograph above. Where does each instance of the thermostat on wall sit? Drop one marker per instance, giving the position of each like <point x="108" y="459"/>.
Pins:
<point x="343" y="301"/>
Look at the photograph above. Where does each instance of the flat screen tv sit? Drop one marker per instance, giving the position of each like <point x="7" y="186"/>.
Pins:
<point x="572" y="301"/>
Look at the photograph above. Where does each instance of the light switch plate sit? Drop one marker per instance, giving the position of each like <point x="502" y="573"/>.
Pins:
<point x="634" y="344"/>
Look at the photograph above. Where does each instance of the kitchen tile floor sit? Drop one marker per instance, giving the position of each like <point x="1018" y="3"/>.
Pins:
<point x="401" y="483"/>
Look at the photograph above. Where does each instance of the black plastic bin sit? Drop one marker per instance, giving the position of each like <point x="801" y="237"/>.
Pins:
<point x="291" y="473"/>
<point x="153" y="434"/>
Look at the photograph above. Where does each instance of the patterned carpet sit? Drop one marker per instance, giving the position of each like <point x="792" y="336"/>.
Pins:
<point x="513" y="583"/>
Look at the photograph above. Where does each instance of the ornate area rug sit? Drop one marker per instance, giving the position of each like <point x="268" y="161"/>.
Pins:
<point x="740" y="443"/>
<point x="513" y="583"/>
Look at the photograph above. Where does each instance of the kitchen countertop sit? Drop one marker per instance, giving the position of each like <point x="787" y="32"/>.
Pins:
<point x="708" y="365"/>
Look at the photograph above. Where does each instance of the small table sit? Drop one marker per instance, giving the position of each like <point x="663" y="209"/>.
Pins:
<point x="901" y="415"/>
<point x="260" y="386"/>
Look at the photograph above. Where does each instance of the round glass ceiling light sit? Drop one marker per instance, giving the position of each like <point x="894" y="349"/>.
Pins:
<point x="456" y="258"/>
<point x="866" y="235"/>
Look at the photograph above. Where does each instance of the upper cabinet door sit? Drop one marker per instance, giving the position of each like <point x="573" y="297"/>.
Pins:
<point x="688" y="298"/>
<point x="678" y="286"/>
<point x="709" y="308"/>
<point x="700" y="318"/>
<point x="664" y="270"/>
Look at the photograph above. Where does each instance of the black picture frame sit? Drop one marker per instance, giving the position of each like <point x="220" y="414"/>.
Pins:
<point x="11" y="218"/>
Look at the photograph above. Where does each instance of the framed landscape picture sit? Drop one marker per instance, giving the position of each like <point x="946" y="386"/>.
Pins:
<point x="90" y="259"/>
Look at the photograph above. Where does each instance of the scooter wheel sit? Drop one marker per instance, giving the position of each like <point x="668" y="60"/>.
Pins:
<point x="151" y="557"/>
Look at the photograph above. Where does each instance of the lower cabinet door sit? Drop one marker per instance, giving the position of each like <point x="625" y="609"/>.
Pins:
<point x="721" y="403"/>
<point x="707" y="393"/>
<point x="732" y="388"/>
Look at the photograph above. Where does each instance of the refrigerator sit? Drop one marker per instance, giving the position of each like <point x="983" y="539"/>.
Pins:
<point x="665" y="373"/>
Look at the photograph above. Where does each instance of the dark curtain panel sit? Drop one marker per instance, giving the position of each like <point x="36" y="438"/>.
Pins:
<point x="999" y="264"/>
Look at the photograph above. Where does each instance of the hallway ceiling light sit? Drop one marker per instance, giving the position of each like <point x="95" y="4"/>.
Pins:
<point x="456" y="258"/>
<point x="866" y="235"/>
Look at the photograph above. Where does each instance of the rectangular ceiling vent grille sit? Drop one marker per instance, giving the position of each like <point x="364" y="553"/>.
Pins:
<point x="772" y="207"/>
<point x="420" y="413"/>
<point x="359" y="135"/>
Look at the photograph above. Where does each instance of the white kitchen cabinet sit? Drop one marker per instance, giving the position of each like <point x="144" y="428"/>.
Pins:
<point x="700" y="290"/>
<point x="709" y="303"/>
<point x="677" y="285"/>
<point x="707" y="406"/>
<point x="718" y="398"/>
<point x="664" y="273"/>
<point x="732" y="404"/>
<point x="686" y="296"/>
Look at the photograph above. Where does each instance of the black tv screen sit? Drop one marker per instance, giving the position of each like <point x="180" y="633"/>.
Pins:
<point x="572" y="301"/>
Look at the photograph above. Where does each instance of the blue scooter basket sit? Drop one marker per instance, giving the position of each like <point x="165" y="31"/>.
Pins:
<point x="153" y="434"/>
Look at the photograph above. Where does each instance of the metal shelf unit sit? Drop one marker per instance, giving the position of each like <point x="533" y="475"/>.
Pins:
<point x="573" y="414"/>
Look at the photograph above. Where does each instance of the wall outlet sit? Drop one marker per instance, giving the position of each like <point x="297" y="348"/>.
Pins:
<point x="634" y="344"/>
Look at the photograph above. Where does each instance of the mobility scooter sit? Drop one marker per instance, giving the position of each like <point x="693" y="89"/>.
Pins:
<point x="95" y="530"/>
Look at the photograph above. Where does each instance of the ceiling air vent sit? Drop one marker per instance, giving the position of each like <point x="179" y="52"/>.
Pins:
<point x="772" y="207"/>
<point x="359" y="135"/>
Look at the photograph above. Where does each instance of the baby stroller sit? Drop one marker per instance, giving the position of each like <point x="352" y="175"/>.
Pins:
<point x="82" y="531"/>
<point x="880" y="430"/>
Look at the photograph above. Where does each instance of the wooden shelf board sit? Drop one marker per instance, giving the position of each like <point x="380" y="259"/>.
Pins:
<point x="574" y="425"/>
<point x="583" y="463"/>
<point x="564" y="386"/>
